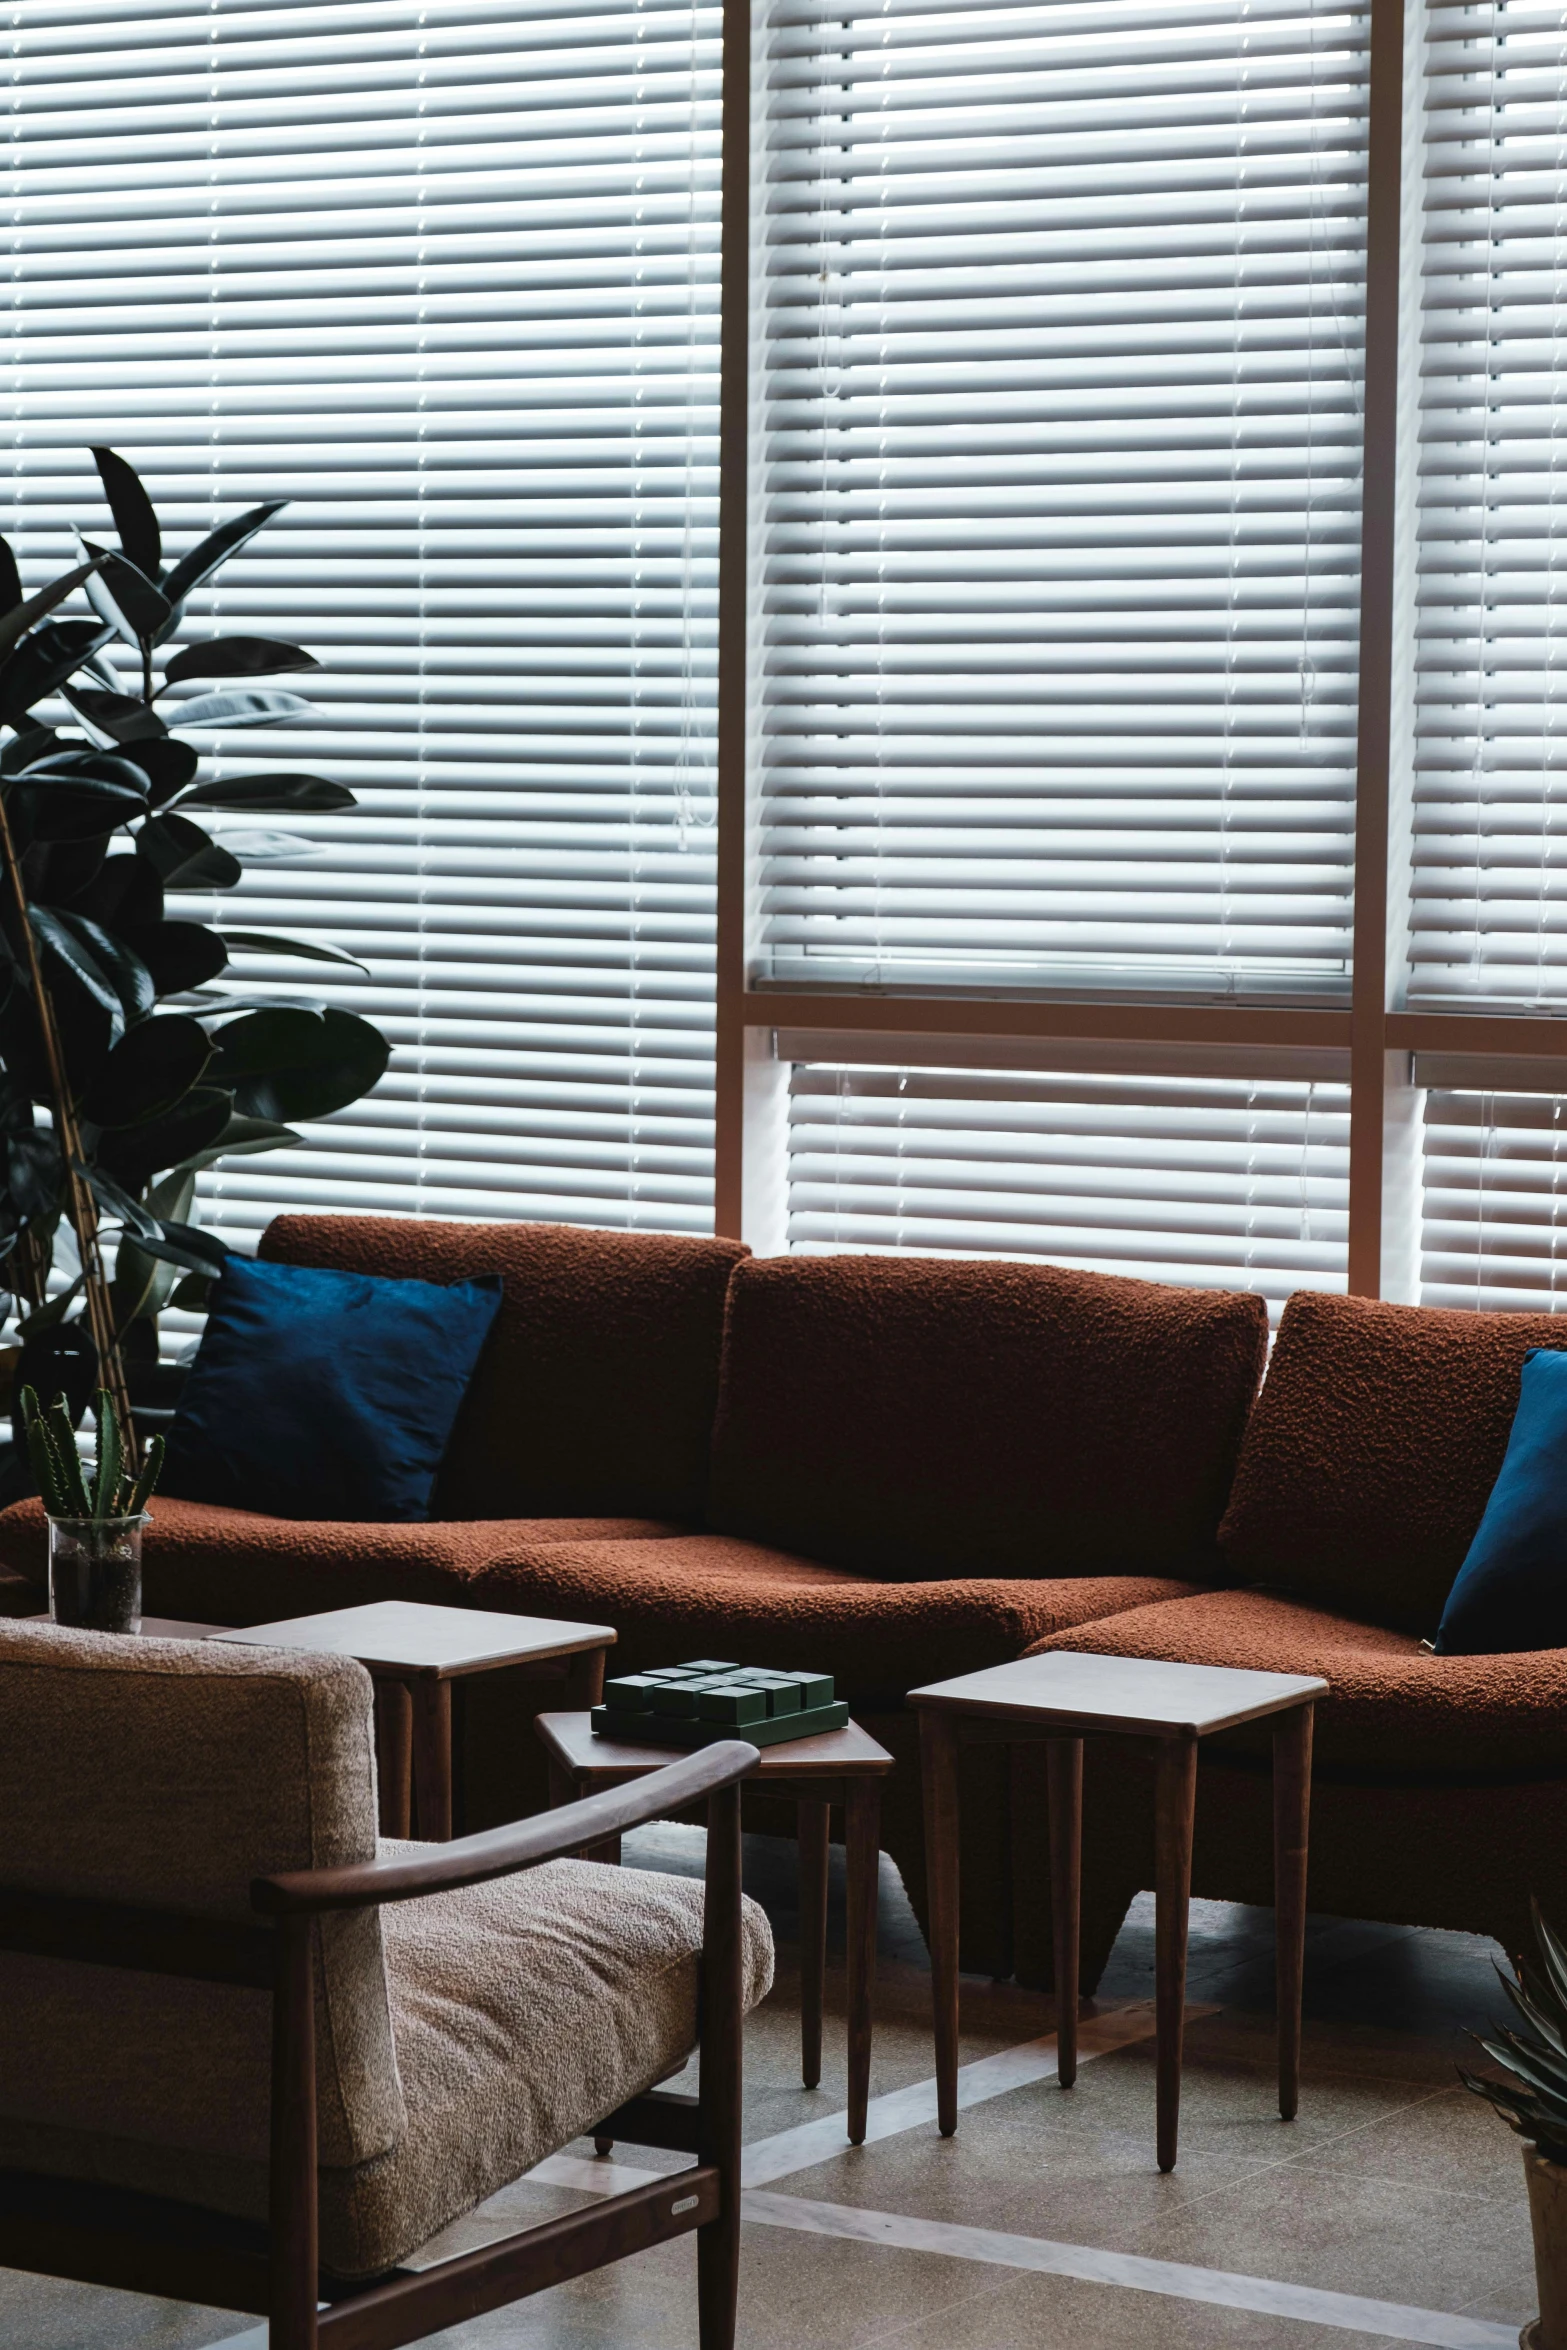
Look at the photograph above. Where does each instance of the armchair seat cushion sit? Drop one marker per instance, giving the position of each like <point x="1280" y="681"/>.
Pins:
<point x="1394" y="1711"/>
<point x="718" y="1595"/>
<point x="523" y="2012"/>
<point x="214" y="1565"/>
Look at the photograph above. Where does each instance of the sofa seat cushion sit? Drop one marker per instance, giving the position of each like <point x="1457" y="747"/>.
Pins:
<point x="714" y="1595"/>
<point x="214" y="1565"/>
<point x="1393" y="1711"/>
<point x="917" y="1418"/>
<point x="596" y="1390"/>
<point x="1372" y="1452"/>
<point x="522" y="2011"/>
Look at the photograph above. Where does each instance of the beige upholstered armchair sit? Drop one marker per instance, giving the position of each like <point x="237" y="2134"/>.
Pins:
<point x="248" y="2060"/>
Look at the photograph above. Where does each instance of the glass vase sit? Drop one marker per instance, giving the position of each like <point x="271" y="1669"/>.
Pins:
<point x="95" y="1573"/>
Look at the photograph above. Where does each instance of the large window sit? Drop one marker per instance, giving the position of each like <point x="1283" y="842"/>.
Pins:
<point x="1098" y="750"/>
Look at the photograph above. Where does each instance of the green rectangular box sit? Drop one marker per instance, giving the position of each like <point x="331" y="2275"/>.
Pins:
<point x="675" y="1697"/>
<point x="815" y="1688"/>
<point x="630" y="1692"/>
<point x="731" y="1702"/>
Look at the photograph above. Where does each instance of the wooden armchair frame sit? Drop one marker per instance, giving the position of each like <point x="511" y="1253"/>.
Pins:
<point x="144" y="2243"/>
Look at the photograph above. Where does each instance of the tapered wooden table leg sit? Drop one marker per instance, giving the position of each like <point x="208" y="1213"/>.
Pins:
<point x="939" y="1766"/>
<point x="1175" y="1806"/>
<point x="1291" y="1823"/>
<point x="432" y="1741"/>
<point x="862" y="1853"/>
<point x="1064" y="1763"/>
<point x="394" y="1756"/>
<point x="812" y="1830"/>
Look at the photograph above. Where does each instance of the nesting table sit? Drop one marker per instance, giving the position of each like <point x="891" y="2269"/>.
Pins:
<point x="1060" y="1698"/>
<point x="838" y="1766"/>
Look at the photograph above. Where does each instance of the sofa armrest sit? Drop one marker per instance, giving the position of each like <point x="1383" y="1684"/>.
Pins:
<point x="501" y="1852"/>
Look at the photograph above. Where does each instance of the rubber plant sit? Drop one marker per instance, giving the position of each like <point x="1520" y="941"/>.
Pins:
<point x="123" y="1070"/>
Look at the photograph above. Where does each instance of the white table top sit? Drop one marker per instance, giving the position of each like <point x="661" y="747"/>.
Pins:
<point x="408" y="1635"/>
<point x="1077" y="1691"/>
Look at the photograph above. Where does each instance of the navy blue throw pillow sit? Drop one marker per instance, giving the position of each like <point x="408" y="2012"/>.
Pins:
<point x="319" y="1394"/>
<point x="1511" y="1591"/>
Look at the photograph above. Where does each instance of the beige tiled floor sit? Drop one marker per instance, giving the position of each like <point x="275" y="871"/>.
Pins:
<point x="1393" y="2184"/>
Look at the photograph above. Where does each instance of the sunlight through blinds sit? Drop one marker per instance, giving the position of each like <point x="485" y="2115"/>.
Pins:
<point x="447" y="274"/>
<point x="1217" y="1183"/>
<point x="1490" y="880"/>
<point x="1059" y="318"/>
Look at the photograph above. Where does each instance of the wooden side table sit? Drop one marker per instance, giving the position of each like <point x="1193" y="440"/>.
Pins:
<point x="413" y="1652"/>
<point x="845" y="1767"/>
<point x="1061" y="1698"/>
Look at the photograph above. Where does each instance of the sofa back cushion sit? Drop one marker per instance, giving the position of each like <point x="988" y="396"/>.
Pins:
<point x="169" y="1774"/>
<point x="1372" y="1451"/>
<point x="914" y="1417"/>
<point x="594" y="1396"/>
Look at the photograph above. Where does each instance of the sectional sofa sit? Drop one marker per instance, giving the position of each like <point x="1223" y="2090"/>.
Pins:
<point x="894" y="1469"/>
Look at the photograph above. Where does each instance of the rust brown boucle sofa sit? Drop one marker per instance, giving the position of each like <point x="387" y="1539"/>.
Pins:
<point x="895" y="1469"/>
<point x="886" y="1469"/>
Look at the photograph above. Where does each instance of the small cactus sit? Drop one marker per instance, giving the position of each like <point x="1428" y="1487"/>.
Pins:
<point x="116" y="1490"/>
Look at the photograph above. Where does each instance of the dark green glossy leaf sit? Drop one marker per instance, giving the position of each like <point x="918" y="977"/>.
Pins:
<point x="290" y="1064"/>
<point x="241" y="1137"/>
<point x="142" y="1285"/>
<point x="193" y="1295"/>
<point x="205" y="558"/>
<point x="125" y="968"/>
<point x="119" y="718"/>
<point x="134" y="1153"/>
<point x="126" y="892"/>
<point x="112" y="1195"/>
<point x="79" y="809"/>
<point x="42" y="662"/>
<point x="260" y="795"/>
<point x="167" y="765"/>
<point x="257" y="706"/>
<point x="143" y="603"/>
<point x="25" y="749"/>
<point x="16" y="622"/>
<point x="69" y="869"/>
<point x="185" y="857"/>
<point x="267" y="942"/>
<point x="149" y="1072"/>
<point x="180" y="955"/>
<point x="134" y="515"/>
<point x="10" y="579"/>
<point x="59" y="933"/>
<point x="237" y="656"/>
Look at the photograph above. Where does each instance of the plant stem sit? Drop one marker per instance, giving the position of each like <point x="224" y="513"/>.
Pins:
<point x="81" y="1205"/>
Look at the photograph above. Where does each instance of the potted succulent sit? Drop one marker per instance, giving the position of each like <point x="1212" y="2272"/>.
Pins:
<point x="1532" y="2099"/>
<point x="94" y="1523"/>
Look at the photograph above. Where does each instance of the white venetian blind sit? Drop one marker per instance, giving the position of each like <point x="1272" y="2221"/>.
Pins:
<point x="1490" y="887"/>
<point x="1494" y="1224"/>
<point x="1217" y="1183"/>
<point x="1059" y="317"/>
<point x="447" y="274"/>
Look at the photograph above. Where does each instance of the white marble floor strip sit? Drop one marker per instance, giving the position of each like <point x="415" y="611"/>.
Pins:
<point x="1267" y="2296"/>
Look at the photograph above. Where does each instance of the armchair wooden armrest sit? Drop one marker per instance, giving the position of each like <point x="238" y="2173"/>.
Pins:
<point x="501" y="1852"/>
